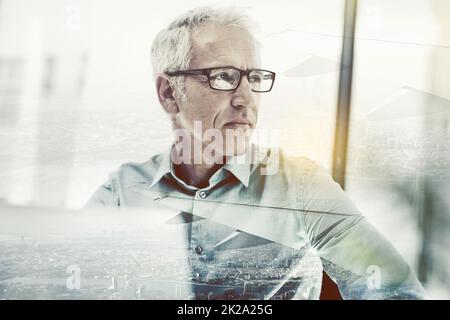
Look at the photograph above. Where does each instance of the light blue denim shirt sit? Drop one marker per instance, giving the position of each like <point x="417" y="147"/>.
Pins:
<point x="254" y="235"/>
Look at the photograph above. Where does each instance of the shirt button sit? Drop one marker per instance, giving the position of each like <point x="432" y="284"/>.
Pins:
<point x="203" y="194"/>
<point x="198" y="250"/>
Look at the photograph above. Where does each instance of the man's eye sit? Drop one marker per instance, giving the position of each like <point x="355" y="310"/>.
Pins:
<point x="223" y="76"/>
<point x="255" y="79"/>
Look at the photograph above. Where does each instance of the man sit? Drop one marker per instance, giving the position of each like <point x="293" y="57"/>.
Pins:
<point x="267" y="232"/>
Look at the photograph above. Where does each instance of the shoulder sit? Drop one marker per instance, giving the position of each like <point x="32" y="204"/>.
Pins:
<point x="305" y="171"/>
<point x="131" y="172"/>
<point x="278" y="163"/>
<point x="286" y="176"/>
<point x="113" y="193"/>
<point x="298" y="165"/>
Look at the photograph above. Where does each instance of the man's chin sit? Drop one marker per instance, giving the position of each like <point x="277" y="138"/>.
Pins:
<point x="236" y="150"/>
<point x="237" y="143"/>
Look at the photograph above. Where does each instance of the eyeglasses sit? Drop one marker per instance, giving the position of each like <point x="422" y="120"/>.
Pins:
<point x="229" y="78"/>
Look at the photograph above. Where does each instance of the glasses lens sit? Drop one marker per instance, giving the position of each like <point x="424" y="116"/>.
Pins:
<point x="224" y="78"/>
<point x="260" y="80"/>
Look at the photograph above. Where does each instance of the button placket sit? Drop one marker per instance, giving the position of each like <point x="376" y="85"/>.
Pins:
<point x="198" y="250"/>
<point x="201" y="241"/>
<point x="197" y="238"/>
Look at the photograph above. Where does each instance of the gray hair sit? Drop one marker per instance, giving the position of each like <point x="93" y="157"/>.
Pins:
<point x="171" y="49"/>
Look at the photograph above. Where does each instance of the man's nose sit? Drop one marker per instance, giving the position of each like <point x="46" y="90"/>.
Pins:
<point x="243" y="95"/>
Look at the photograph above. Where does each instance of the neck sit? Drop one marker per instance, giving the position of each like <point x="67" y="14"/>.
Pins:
<point x="196" y="175"/>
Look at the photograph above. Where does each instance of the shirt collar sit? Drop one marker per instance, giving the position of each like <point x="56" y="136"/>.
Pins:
<point x="240" y="166"/>
<point x="165" y="166"/>
<point x="243" y="166"/>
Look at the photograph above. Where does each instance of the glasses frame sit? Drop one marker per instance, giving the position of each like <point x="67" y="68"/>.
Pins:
<point x="207" y="72"/>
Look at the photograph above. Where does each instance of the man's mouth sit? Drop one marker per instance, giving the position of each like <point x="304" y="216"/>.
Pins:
<point x="239" y="123"/>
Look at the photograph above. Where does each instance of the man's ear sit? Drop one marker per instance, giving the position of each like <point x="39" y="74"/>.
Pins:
<point x="165" y="95"/>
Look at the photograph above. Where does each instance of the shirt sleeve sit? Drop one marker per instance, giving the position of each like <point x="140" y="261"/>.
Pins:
<point x="104" y="197"/>
<point x="354" y="254"/>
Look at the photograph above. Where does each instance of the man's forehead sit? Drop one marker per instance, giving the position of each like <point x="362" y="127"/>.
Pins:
<point x="214" y="46"/>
